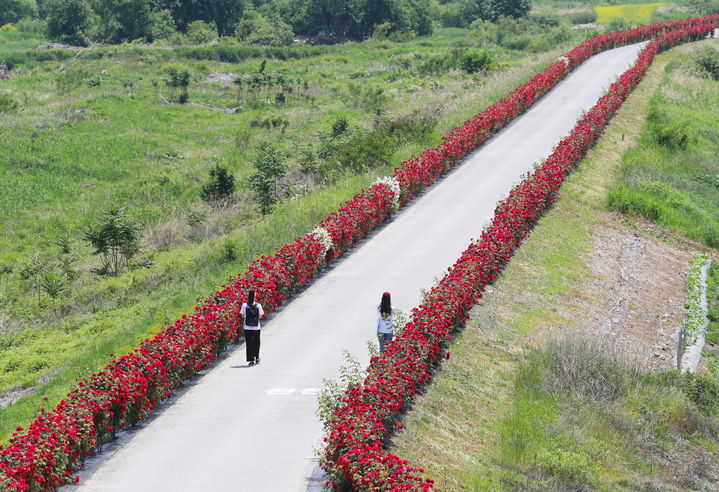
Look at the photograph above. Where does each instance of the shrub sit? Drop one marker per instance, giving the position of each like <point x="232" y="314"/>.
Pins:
<point x="671" y="132"/>
<point x="229" y="251"/>
<point x="178" y="79"/>
<point x="220" y="188"/>
<point x="200" y="32"/>
<point x="8" y="104"/>
<point x="545" y="19"/>
<point x="367" y="97"/>
<point x="257" y="29"/>
<point x="414" y="127"/>
<point x="11" y="11"/>
<point x="433" y="65"/>
<point x="476" y="61"/>
<point x="270" y="167"/>
<point x="570" y="466"/>
<point x="702" y="390"/>
<point x="339" y="127"/>
<point x="70" y="79"/>
<point x="708" y="60"/>
<point x="68" y="21"/>
<point x="592" y="370"/>
<point x="308" y="160"/>
<point x="618" y="24"/>
<point x="53" y="284"/>
<point x="351" y="374"/>
<point x="33" y="26"/>
<point x="582" y="17"/>
<point x="116" y="238"/>
<point x="162" y="25"/>
<point x="364" y="150"/>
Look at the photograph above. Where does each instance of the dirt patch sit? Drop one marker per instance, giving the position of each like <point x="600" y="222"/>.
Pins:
<point x="57" y="46"/>
<point x="215" y="108"/>
<point x="633" y="294"/>
<point x="221" y="77"/>
<point x="15" y="393"/>
<point x="637" y="291"/>
<point x="589" y="26"/>
<point x="672" y="8"/>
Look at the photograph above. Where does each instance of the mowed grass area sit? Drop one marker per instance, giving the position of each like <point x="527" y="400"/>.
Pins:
<point x="94" y="129"/>
<point x="637" y="13"/>
<point x="526" y="403"/>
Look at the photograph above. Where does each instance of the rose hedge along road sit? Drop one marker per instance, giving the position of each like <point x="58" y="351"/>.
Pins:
<point x="354" y="455"/>
<point x="54" y="446"/>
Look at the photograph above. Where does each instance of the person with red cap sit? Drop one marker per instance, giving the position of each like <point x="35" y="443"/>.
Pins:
<point x="385" y="321"/>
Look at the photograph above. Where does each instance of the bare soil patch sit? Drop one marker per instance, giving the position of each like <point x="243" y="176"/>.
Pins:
<point x="635" y="292"/>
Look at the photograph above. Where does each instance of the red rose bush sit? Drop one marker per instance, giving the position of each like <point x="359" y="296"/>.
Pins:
<point x="54" y="446"/>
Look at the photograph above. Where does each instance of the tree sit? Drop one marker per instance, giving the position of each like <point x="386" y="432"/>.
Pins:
<point x="53" y="284"/>
<point x="378" y="12"/>
<point x="264" y="182"/>
<point x="221" y="186"/>
<point x="223" y="14"/>
<point x="257" y="29"/>
<point x="292" y="13"/>
<point x="476" y="61"/>
<point x="200" y="32"/>
<point x="123" y="20"/>
<point x="68" y="21"/>
<point x="178" y="78"/>
<point x="343" y="18"/>
<point x="471" y="10"/>
<point x="116" y="238"/>
<point x="12" y="11"/>
<point x="494" y="9"/>
<point x="162" y="25"/>
<point x="419" y="15"/>
<point x="511" y="8"/>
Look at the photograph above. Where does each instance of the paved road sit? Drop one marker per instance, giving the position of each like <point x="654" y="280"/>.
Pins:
<point x="241" y="428"/>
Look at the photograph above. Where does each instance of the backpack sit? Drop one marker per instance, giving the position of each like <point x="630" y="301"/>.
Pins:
<point x="252" y="315"/>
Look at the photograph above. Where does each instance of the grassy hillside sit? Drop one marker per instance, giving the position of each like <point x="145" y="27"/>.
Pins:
<point x="91" y="129"/>
<point x="543" y="381"/>
<point x="672" y="176"/>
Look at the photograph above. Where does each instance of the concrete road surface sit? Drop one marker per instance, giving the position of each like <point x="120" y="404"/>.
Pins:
<point x="240" y="428"/>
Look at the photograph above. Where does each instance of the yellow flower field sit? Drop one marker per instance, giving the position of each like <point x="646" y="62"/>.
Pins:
<point x="639" y="13"/>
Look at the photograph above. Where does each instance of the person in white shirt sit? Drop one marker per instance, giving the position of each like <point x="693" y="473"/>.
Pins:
<point x="251" y="312"/>
<point x="385" y="321"/>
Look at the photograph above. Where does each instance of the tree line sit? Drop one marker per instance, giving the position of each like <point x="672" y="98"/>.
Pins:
<point x="261" y="22"/>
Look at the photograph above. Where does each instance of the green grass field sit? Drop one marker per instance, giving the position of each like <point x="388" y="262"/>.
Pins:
<point x="672" y="176"/>
<point x="95" y="129"/>
<point x="637" y="13"/>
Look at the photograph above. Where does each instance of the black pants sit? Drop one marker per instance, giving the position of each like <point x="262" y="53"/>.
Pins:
<point x="252" y="343"/>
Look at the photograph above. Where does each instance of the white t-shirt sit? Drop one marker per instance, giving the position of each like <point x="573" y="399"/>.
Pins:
<point x="385" y="325"/>
<point x="243" y="310"/>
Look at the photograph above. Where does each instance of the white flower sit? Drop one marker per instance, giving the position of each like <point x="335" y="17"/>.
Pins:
<point x="393" y="184"/>
<point x="564" y="59"/>
<point x="323" y="236"/>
